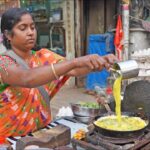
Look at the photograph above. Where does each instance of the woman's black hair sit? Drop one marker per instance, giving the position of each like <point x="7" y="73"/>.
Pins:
<point x="9" y="19"/>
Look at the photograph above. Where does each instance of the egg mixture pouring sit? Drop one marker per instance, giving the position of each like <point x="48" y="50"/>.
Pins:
<point x="120" y="122"/>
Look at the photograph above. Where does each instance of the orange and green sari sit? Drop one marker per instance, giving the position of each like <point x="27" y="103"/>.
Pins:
<point x="23" y="110"/>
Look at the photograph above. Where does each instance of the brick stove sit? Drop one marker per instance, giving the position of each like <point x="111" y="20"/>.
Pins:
<point x="97" y="141"/>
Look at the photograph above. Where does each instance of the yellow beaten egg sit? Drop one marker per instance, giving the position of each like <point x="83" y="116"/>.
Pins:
<point x="118" y="122"/>
<point x="117" y="96"/>
<point x="125" y="124"/>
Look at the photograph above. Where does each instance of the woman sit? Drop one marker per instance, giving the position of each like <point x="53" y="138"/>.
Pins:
<point x="22" y="107"/>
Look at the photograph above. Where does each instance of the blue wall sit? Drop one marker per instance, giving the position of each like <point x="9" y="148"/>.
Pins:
<point x="101" y="44"/>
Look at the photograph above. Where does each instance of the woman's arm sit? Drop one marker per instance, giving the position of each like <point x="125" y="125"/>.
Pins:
<point x="17" y="76"/>
<point x="109" y="60"/>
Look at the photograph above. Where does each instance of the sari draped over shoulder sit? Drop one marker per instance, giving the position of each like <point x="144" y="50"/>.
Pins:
<point x="23" y="110"/>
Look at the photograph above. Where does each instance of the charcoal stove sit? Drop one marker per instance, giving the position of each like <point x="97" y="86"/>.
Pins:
<point x="97" y="141"/>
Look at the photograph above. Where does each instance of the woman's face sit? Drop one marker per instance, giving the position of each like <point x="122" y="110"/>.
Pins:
<point x="24" y="34"/>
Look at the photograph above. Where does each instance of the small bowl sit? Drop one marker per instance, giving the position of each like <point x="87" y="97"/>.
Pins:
<point x="79" y="110"/>
<point x="84" y="119"/>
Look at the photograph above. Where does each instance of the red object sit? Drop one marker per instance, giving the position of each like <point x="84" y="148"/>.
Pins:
<point x="109" y="90"/>
<point x="119" y="37"/>
<point x="2" y="140"/>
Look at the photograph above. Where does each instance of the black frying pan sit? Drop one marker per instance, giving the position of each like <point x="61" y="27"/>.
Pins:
<point x="121" y="134"/>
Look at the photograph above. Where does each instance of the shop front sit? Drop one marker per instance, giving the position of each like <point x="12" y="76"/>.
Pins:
<point x="48" y="16"/>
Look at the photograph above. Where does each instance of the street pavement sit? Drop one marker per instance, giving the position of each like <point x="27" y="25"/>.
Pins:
<point x="68" y="95"/>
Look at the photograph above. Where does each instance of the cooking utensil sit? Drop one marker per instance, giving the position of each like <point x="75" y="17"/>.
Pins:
<point x="121" y="134"/>
<point x="85" y="119"/>
<point x="108" y="109"/>
<point x="79" y="110"/>
<point x="128" y="69"/>
<point x="102" y="98"/>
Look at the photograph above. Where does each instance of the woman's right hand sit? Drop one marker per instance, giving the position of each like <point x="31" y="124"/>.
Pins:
<point x="111" y="59"/>
<point x="95" y="62"/>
